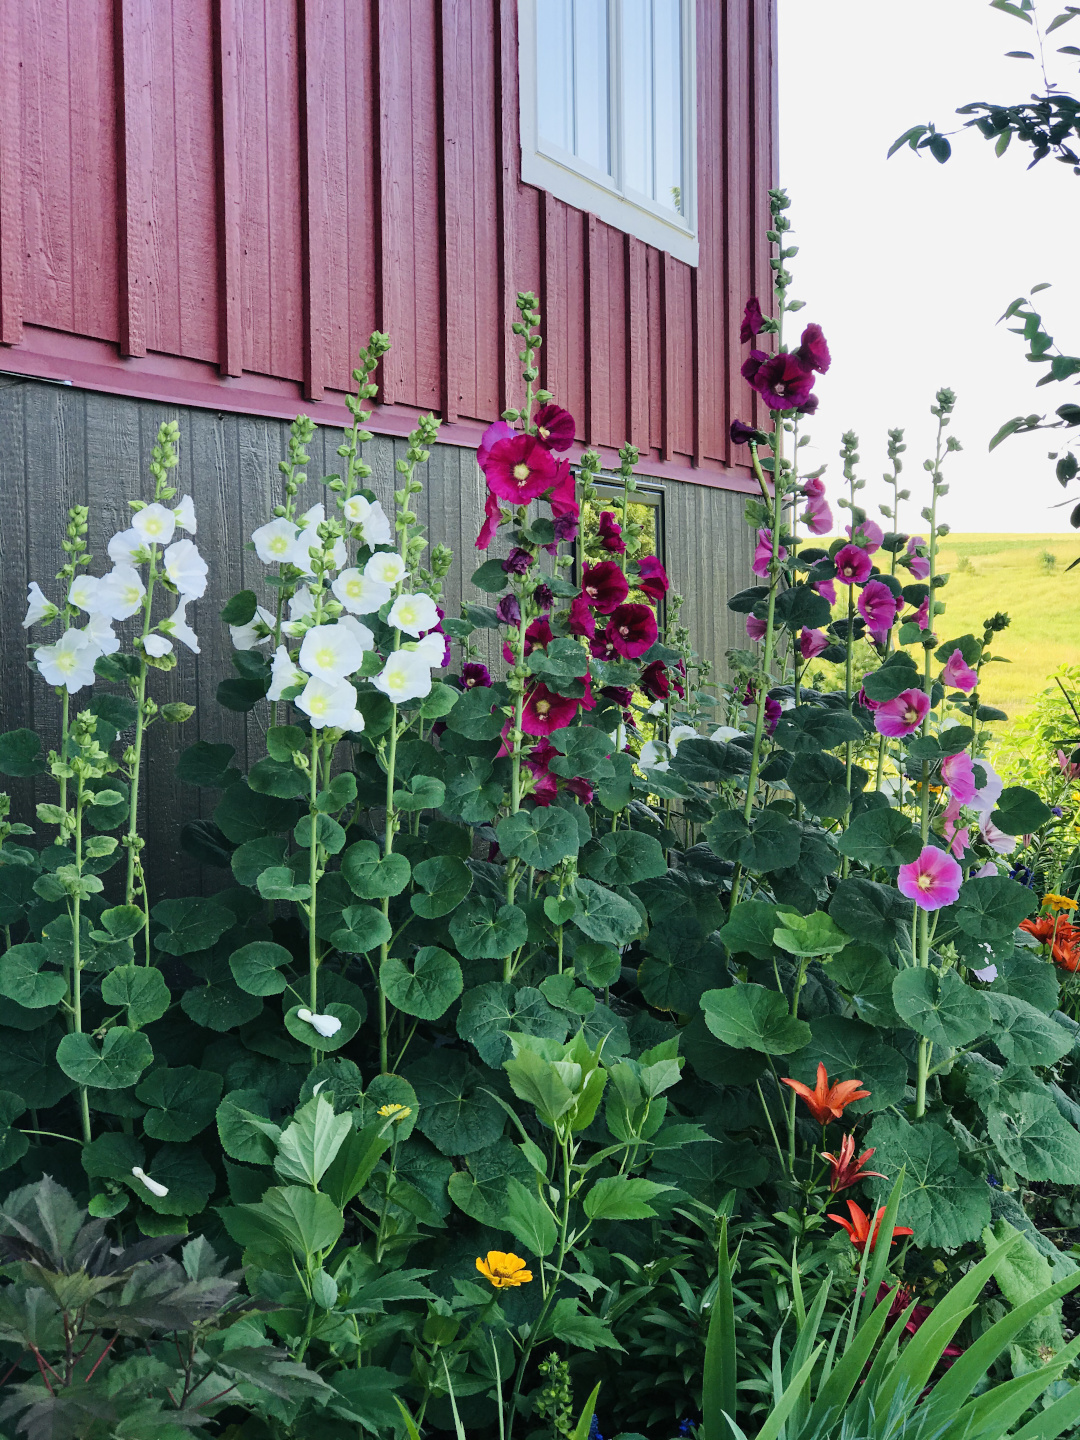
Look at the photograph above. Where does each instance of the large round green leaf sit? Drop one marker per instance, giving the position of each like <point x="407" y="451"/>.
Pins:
<point x="540" y="838"/>
<point x="872" y="913"/>
<point x="254" y="856"/>
<point x="185" y="1174"/>
<point x="484" y="930"/>
<point x="809" y="729"/>
<point x="221" y="1005"/>
<point x="481" y="1189"/>
<point x="256" y="967"/>
<point x="867" y="977"/>
<point x="820" y="782"/>
<point x="1024" y="1035"/>
<point x="426" y="988"/>
<point x="386" y="1091"/>
<point x="622" y="857"/>
<point x="362" y="929"/>
<point x="489" y="1012"/>
<point x="941" y="1007"/>
<point x="772" y="842"/>
<point x="13" y="1143"/>
<point x="879" y="838"/>
<point x="242" y="814"/>
<point x="604" y="916"/>
<point x="182" y="1101"/>
<point x="115" y="1064"/>
<point x="1034" y="1138"/>
<point x="750" y="929"/>
<point x="992" y="908"/>
<point x="30" y="1067"/>
<point x="751" y="1017"/>
<point x="371" y="874"/>
<point x="457" y="1114"/>
<point x="141" y="989"/>
<point x="23" y="980"/>
<point x="446" y="881"/>
<point x="245" y="1129"/>
<point x="190" y="925"/>
<point x="852" y="1050"/>
<point x="943" y="1202"/>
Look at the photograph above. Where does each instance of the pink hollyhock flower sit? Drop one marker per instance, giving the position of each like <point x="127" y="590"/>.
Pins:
<point x="545" y="711"/>
<point x="958" y="772"/>
<point x="809" y="406"/>
<point x="932" y="881"/>
<point x="957" y="837"/>
<point x="877" y="606"/>
<point x="632" y="630"/>
<point x="588" y="701"/>
<point x="867" y="534"/>
<point x="492" y="521"/>
<point x="755" y="628"/>
<point x="827" y="590"/>
<point x="986" y="872"/>
<point x="742" y="434"/>
<point x="773" y="711"/>
<point x="853" y="565"/>
<point x="555" y="427"/>
<point x="751" y="320"/>
<point x="604" y="586"/>
<point x="475" y="676"/>
<point x="958" y="673"/>
<point x="902" y="716"/>
<point x="509" y="610"/>
<point x="654" y="681"/>
<point x="520" y="469"/>
<point x="813" y="353"/>
<point x="580" y="619"/>
<point x="782" y="381"/>
<point x="917" y="564"/>
<point x="652" y="578"/>
<point x="610" y="533"/>
<point x="545" y="785"/>
<point x="817" y="516"/>
<point x="582" y="789"/>
<point x="563" y="497"/>
<point x="812" y="643"/>
<point x="989" y="793"/>
<point x="998" y="841"/>
<point x="500" y="430"/>
<point x="920" y="617"/>
<point x="763" y="554"/>
<point x="1068" y="767"/>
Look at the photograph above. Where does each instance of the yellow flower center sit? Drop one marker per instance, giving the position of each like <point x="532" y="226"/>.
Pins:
<point x="911" y="715"/>
<point x="925" y="881"/>
<point x="324" y="658"/>
<point x="521" y="473"/>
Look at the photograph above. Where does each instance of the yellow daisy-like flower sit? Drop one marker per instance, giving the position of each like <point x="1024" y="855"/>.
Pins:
<point x="503" y="1270"/>
<point x="1059" y="902"/>
<point x="394" y="1112"/>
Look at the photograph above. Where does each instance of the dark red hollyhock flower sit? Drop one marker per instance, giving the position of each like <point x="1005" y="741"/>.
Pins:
<point x="475" y="676"/>
<point x="610" y="533"/>
<point x="652" y="578"/>
<point x="580" y="619"/>
<point x="582" y="789"/>
<point x="588" y="700"/>
<point x="555" y="427"/>
<point x="520" y="469"/>
<point x="518" y="561"/>
<point x="618" y="695"/>
<point x="545" y="785"/>
<point x="632" y="630"/>
<point x="751" y="320"/>
<point x="544" y="597"/>
<point x="565" y="527"/>
<point x="753" y="363"/>
<point x="563" y="497"/>
<point x="782" y="381"/>
<point x="813" y="353"/>
<point x="537" y="636"/>
<point x="508" y="610"/>
<point x="809" y="407"/>
<point x="500" y="430"/>
<point x="680" y="669"/>
<point x="492" y="521"/>
<point x="601" y="648"/>
<point x="742" y="434"/>
<point x="654" y="680"/>
<point x="545" y="711"/>
<point x="604" y="586"/>
<point x="772" y="713"/>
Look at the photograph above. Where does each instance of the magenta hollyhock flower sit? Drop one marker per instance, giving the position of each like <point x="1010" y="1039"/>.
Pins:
<point x="827" y="590"/>
<point x="563" y="497"/>
<point x="632" y="630"/>
<point x="773" y="711"/>
<point x="864" y="700"/>
<point x="500" y="430"/>
<point x="545" y="711"/>
<point x="582" y="789"/>
<point x="932" y="881"/>
<point x="813" y="353"/>
<point x="619" y="695"/>
<point x="654" y="682"/>
<point x="916" y="563"/>
<point x="959" y="674"/>
<point x="753" y="363"/>
<point x="587" y="701"/>
<point x="610" y="532"/>
<point x="817" y="516"/>
<point x="653" y="578"/>
<point x="763" y="553"/>
<point x="755" y="628"/>
<point x="565" y="528"/>
<point x="580" y="619"/>
<point x="604" y="586"/>
<point x="867" y="534"/>
<point x="538" y="636"/>
<point x="543" y="597"/>
<point x="921" y="617"/>
<point x="956" y="835"/>
<point x="555" y="427"/>
<point x="475" y="676"/>
<point x="742" y="434"/>
<point x="809" y="406"/>
<point x="958" y="772"/>
<point x="492" y="521"/>
<point x="877" y="606"/>
<point x="520" y="469"/>
<point x="782" y="381"/>
<point x="853" y="565"/>
<point x="751" y="320"/>
<point x="812" y="643"/>
<point x="902" y="716"/>
<point x="545" y="785"/>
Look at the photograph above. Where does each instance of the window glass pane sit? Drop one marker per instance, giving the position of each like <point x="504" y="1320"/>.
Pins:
<point x="667" y="103"/>
<point x="555" y="72"/>
<point x="592" y="138"/>
<point x="637" y="95"/>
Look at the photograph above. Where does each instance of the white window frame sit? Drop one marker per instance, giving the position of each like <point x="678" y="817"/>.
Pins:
<point x="582" y="185"/>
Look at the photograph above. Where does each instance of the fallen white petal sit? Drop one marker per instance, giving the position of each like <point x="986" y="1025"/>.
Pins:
<point x="153" y="1186"/>
<point x="326" y="1025"/>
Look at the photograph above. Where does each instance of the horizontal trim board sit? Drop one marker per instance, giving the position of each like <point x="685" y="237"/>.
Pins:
<point x="96" y="365"/>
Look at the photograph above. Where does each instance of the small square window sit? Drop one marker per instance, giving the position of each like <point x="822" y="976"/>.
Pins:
<point x="608" y="112"/>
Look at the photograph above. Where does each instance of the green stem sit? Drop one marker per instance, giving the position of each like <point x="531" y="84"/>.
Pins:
<point x="76" y="955"/>
<point x="388" y="845"/>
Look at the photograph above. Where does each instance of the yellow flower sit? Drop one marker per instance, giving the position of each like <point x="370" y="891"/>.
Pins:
<point x="503" y="1270"/>
<point x="1059" y="902"/>
<point x="394" y="1112"/>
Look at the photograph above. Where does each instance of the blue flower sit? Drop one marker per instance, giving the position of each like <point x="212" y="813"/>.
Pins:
<point x="594" y="1429"/>
<point x="688" y="1427"/>
<point x="1022" y="873"/>
<point x="993" y="1182"/>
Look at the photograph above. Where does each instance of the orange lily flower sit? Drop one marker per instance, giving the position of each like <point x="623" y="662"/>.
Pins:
<point x="826" y="1102"/>
<point x="858" y="1227"/>
<point x="845" y="1170"/>
<point x="1062" y="937"/>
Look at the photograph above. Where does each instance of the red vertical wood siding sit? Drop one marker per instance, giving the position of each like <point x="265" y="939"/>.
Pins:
<point x="217" y="201"/>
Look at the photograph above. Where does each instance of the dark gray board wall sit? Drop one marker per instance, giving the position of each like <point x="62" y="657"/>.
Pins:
<point x="60" y="446"/>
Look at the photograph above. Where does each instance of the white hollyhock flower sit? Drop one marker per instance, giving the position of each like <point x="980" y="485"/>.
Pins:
<point x="405" y="676"/>
<point x="284" y="674"/>
<point x="326" y="1025"/>
<point x="356" y="509"/>
<point x="998" y="841"/>
<point x="70" y="662"/>
<point x="375" y="527"/>
<point x="656" y="708"/>
<point x="156" y="645"/>
<point x="385" y="566"/>
<point x="84" y="593"/>
<point x="726" y="732"/>
<point x="154" y="1186"/>
<point x="38" y="607"/>
<point x="258" y="630"/>
<point x="681" y="732"/>
<point x="413" y="614"/>
<point x="186" y="568"/>
<point x="655" y="755"/>
<point x="178" y="627"/>
<point x="363" y="635"/>
<point x="99" y="628"/>
<point x="275" y="542"/>
<point x="331" y="652"/>
<point x="331" y="703"/>
<point x="185" y="514"/>
<point x="154" y="525"/>
<point x="301" y="605"/>
<point x="121" y="593"/>
<point x="308" y="540"/>
<point x="433" y="648"/>
<point x="128" y="548"/>
<point x="358" y="594"/>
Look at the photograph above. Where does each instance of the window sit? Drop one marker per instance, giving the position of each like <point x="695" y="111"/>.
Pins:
<point x="608" y="112"/>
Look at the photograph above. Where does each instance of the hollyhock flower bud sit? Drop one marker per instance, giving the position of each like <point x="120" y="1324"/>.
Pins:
<point x="813" y="353"/>
<point x="903" y="715"/>
<point x="827" y="590"/>
<point x="555" y="427"/>
<point x="751" y="321"/>
<point x="632" y="630"/>
<point x="812" y="643"/>
<point x="809" y="406"/>
<point x="756" y="628"/>
<point x="610" y="533"/>
<point x="324" y="1025"/>
<point x="782" y="381"/>
<point x="153" y="524"/>
<point x="818" y="515"/>
<point x="499" y="430"/>
<point x="493" y="517"/>
<point x="69" y="662"/>
<point x="519" y="470"/>
<point x="877" y="606"/>
<point x="475" y="676"/>
<point x="544" y="597"/>
<point x="545" y="711"/>
<point x="932" y="881"/>
<point x="508" y="610"/>
<point x="652" y="578"/>
<point x="257" y="631"/>
<point x="959" y="674"/>
<point x="763" y="553"/>
<point x="518" y="561"/>
<point x="654" y="681"/>
<point x="580" y="619"/>
<point x="743" y="434"/>
<point x="853" y="565"/>
<point x="154" y="1186"/>
<point x="413" y="613"/>
<point x="604" y="586"/>
<point x="917" y="563"/>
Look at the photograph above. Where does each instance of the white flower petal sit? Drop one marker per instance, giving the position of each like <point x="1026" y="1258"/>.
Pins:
<point x="38" y="607"/>
<point x="154" y="524"/>
<point x="331" y="652"/>
<point x="326" y="1025"/>
<point x="386" y="567"/>
<point x="413" y="614"/>
<point x="185" y="514"/>
<point x="186" y="568"/>
<point x="154" y="1186"/>
<point x="70" y="662"/>
<point x="329" y="703"/>
<point x="405" y="676"/>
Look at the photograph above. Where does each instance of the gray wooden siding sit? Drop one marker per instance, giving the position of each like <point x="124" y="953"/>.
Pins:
<point x="60" y="446"/>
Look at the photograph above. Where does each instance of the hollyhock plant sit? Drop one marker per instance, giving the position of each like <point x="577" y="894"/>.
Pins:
<point x="632" y="630"/>
<point x="958" y="773"/>
<point x="555" y="427"/>
<point x="330" y="703"/>
<point x="405" y="676"/>
<point x="932" y="880"/>
<point x="652" y="578"/>
<point x="493" y="517"/>
<point x="877" y="606"/>
<point x="475" y="675"/>
<point x="604" y="586"/>
<point x="69" y="662"/>
<point x="499" y="430"/>
<point x="519" y="470"/>
<point x="812" y="643"/>
<point x="743" y="434"/>
<point x="958" y="674"/>
<point x="782" y="381"/>
<point x="827" y="590"/>
<point x="763" y="553"/>
<point x="654" y="680"/>
<point x="519" y="561"/>
<point x="916" y="562"/>
<point x="756" y="628"/>
<point x="902" y="715"/>
<point x="413" y="614"/>
<point x="867" y="534"/>
<point x="580" y="619"/>
<point x="544" y="711"/>
<point x="508" y="610"/>
<point x="331" y="652"/>
<point x="853" y="565"/>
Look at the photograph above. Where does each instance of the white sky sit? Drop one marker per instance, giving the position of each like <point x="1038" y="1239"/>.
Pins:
<point x="908" y="264"/>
